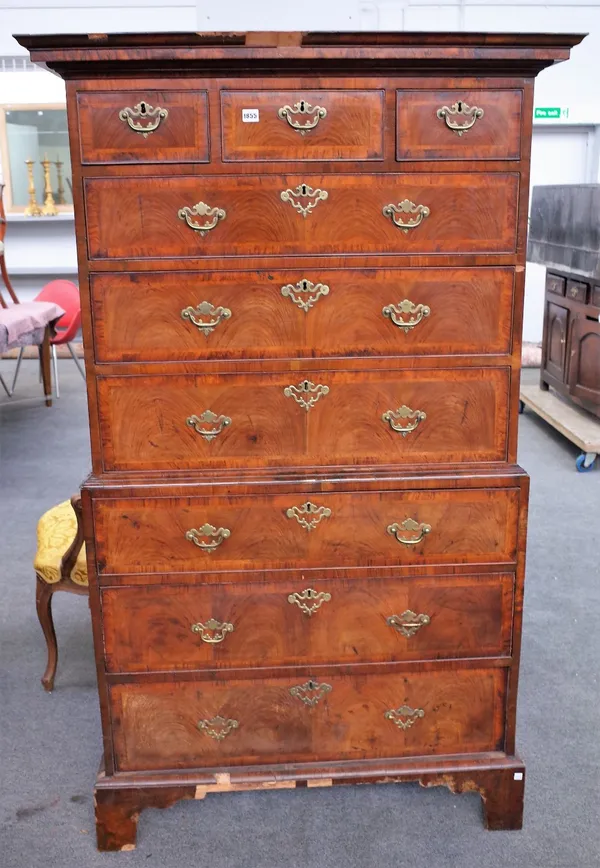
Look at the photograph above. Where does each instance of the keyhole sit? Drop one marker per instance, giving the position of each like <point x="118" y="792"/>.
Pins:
<point x="304" y="189"/>
<point x="305" y="285"/>
<point x="459" y="106"/>
<point x="302" y="104"/>
<point x="143" y="108"/>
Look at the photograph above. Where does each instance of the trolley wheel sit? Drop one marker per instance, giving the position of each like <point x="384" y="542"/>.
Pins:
<point x="585" y="462"/>
<point x="521" y="407"/>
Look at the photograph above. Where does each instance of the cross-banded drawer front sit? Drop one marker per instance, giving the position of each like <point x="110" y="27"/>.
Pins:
<point x="293" y="531"/>
<point x="253" y="215"/>
<point x="302" y="125"/>
<point x="302" y="717"/>
<point x="458" y="125"/>
<point x="156" y="126"/>
<point x="154" y="628"/>
<point x="190" y="316"/>
<point x="296" y="418"/>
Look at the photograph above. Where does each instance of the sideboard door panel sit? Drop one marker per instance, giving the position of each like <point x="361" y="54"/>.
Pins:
<point x="584" y="364"/>
<point x="556" y="341"/>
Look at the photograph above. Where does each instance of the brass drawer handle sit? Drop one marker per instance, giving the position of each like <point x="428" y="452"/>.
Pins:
<point x="218" y="727"/>
<point x="416" y="311"/>
<point x="394" y="419"/>
<point x="460" y="117"/>
<point x="309" y="514"/>
<point x="406" y="207"/>
<point x="217" y="424"/>
<point x="311" y="692"/>
<point x="205" y="308"/>
<point x="305" y="294"/>
<point x="405" y="716"/>
<point x="313" y="113"/>
<point x="409" y="532"/>
<point x="306" y="393"/>
<point x="196" y="535"/>
<point x="304" y="191"/>
<point x="309" y="601"/>
<point x="201" y="209"/>
<point x="152" y="116"/>
<point x="408" y="623"/>
<point x="213" y="631"/>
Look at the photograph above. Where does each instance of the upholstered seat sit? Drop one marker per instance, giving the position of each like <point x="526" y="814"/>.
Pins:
<point x="59" y="566"/>
<point x="56" y="531"/>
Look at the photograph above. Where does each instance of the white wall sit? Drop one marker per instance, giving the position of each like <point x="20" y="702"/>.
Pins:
<point x="557" y="158"/>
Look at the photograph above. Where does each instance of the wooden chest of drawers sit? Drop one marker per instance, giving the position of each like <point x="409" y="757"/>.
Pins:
<point x="301" y="265"/>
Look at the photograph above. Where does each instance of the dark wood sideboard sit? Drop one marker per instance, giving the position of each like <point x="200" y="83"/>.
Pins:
<point x="301" y="259"/>
<point x="571" y="341"/>
<point x="564" y="235"/>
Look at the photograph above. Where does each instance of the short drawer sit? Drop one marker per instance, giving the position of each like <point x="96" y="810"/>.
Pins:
<point x="194" y="315"/>
<point x="166" y="126"/>
<point x="458" y="125"/>
<point x="294" y="531"/>
<point x="161" y="628"/>
<point x="254" y="215"/>
<point x="263" y="125"/>
<point x="295" y="418"/>
<point x="577" y="291"/>
<point x="305" y="717"/>
<point x="555" y="284"/>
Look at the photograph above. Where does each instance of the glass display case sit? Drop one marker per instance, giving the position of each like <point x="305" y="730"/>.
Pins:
<point x="35" y="133"/>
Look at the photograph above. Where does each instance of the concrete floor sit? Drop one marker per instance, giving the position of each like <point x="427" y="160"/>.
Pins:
<point x="50" y="744"/>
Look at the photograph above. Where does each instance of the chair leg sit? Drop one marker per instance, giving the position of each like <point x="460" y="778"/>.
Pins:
<point x="4" y="386"/>
<point x="43" y="602"/>
<point x="80" y="367"/>
<point x="45" y="367"/>
<point x="55" y="366"/>
<point x="17" y="368"/>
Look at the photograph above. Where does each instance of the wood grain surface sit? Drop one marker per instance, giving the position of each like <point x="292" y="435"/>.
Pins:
<point x="352" y="128"/>
<point x="146" y="535"/>
<point x="343" y="621"/>
<point x="269" y="426"/>
<point x="138" y="318"/>
<point x="129" y="218"/>
<point x="181" y="136"/>
<point x="422" y="135"/>
<point x="155" y="726"/>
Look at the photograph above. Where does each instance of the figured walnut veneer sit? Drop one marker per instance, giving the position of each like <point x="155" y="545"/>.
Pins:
<point x="302" y="265"/>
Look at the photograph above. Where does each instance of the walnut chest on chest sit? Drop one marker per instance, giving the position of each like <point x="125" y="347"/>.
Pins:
<point x="301" y="263"/>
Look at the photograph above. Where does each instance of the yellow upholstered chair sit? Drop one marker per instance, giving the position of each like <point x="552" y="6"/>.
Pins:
<point x="59" y="566"/>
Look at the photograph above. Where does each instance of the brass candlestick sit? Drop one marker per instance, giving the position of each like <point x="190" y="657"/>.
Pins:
<point x="33" y="209"/>
<point x="60" y="190"/>
<point x="49" y="209"/>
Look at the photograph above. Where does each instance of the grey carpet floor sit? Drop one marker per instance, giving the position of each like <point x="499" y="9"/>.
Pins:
<point x="50" y="744"/>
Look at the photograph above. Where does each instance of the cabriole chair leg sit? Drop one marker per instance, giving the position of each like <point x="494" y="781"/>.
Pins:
<point x="43" y="602"/>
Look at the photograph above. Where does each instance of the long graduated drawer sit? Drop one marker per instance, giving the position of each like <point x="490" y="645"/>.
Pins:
<point x="325" y="716"/>
<point x="191" y="626"/>
<point x="154" y="217"/>
<point x="291" y="531"/>
<point x="303" y="418"/>
<point x="304" y="313"/>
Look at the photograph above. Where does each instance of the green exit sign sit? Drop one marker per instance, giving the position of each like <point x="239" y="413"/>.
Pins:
<point x="554" y="113"/>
